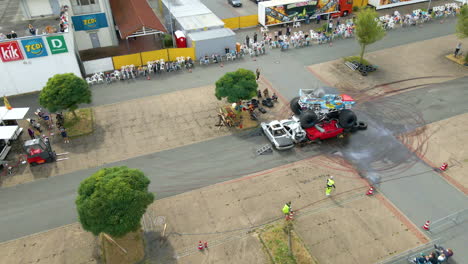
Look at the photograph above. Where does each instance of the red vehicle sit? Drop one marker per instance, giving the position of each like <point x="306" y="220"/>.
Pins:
<point x="324" y="130"/>
<point x="39" y="151"/>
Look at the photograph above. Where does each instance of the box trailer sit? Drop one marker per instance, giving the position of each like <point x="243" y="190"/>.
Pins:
<point x="382" y="4"/>
<point x="286" y="11"/>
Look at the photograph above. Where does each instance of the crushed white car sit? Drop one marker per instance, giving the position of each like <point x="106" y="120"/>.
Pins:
<point x="285" y="133"/>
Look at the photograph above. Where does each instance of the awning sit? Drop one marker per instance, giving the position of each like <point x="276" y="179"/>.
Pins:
<point x="8" y="132"/>
<point x="13" y="114"/>
<point x="135" y="18"/>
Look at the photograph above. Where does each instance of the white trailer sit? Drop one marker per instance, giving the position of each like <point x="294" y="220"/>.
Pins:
<point x="382" y="4"/>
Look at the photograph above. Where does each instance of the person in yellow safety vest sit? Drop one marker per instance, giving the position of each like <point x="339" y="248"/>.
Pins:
<point x="330" y="185"/>
<point x="287" y="208"/>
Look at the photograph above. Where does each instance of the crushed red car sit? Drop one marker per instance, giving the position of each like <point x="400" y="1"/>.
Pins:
<point x="324" y="130"/>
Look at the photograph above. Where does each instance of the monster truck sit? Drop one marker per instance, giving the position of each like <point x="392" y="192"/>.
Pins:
<point x="314" y="106"/>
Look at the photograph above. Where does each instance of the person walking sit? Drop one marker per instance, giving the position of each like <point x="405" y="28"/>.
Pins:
<point x="258" y="73"/>
<point x="31" y="133"/>
<point x="457" y="49"/>
<point x="247" y="41"/>
<point x="318" y="19"/>
<point x="64" y="135"/>
<point x="255" y="37"/>
<point x="288" y="31"/>
<point x="287" y="210"/>
<point x="330" y="185"/>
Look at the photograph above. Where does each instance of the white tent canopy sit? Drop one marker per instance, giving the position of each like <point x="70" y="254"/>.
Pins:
<point x="13" y="114"/>
<point x="8" y="132"/>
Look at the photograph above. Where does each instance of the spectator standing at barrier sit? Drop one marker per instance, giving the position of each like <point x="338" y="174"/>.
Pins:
<point x="276" y="35"/>
<point x="2" y="36"/>
<point x="288" y="31"/>
<point x="330" y="26"/>
<point x="247" y="41"/>
<point x="280" y="33"/>
<point x="31" y="133"/>
<point x="258" y="73"/>
<point x="457" y="49"/>
<point x="318" y="19"/>
<point x="32" y="30"/>
<point x="255" y="37"/>
<point x="64" y="135"/>
<point x="330" y="185"/>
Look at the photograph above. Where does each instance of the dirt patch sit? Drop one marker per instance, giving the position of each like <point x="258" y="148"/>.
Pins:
<point x="80" y="125"/>
<point x="275" y="239"/>
<point x="67" y="244"/>
<point x="435" y="144"/>
<point x="123" y="250"/>
<point x="417" y="64"/>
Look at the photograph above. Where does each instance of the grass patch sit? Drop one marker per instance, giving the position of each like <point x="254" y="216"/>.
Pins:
<point x="83" y="125"/>
<point x="275" y="239"/>
<point x="356" y="58"/>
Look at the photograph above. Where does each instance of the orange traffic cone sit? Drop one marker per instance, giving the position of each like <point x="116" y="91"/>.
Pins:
<point x="240" y="125"/>
<point x="426" y="225"/>
<point x="222" y="65"/>
<point x="370" y="191"/>
<point x="148" y="77"/>
<point x="200" y="245"/>
<point x="443" y="167"/>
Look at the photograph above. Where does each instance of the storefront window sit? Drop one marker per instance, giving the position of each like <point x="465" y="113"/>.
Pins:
<point x="85" y="7"/>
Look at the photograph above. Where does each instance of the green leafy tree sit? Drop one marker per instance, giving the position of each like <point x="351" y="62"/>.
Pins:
<point x="368" y="30"/>
<point x="113" y="200"/>
<point x="462" y="25"/>
<point x="235" y="86"/>
<point x="65" y="92"/>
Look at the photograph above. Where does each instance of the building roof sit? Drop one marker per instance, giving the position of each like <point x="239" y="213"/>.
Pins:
<point x="132" y="16"/>
<point x="190" y="23"/>
<point x="211" y="34"/>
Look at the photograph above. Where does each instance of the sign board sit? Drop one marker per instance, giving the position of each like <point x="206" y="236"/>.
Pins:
<point x="10" y="51"/>
<point x="287" y="11"/>
<point x="57" y="44"/>
<point x="34" y="48"/>
<point x="90" y="22"/>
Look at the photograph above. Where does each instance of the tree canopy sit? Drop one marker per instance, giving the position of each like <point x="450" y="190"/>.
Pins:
<point x="462" y="22"/>
<point x="368" y="28"/>
<point x="113" y="200"/>
<point x="64" y="92"/>
<point x="235" y="86"/>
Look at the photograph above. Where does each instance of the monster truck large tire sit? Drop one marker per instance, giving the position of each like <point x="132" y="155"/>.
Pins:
<point x="308" y="119"/>
<point x="347" y="118"/>
<point x="295" y="107"/>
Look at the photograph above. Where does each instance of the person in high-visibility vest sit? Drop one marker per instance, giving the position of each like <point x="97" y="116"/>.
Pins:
<point x="330" y="185"/>
<point x="287" y="208"/>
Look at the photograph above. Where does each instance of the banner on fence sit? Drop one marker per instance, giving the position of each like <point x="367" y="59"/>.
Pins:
<point x="142" y="58"/>
<point x="131" y="59"/>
